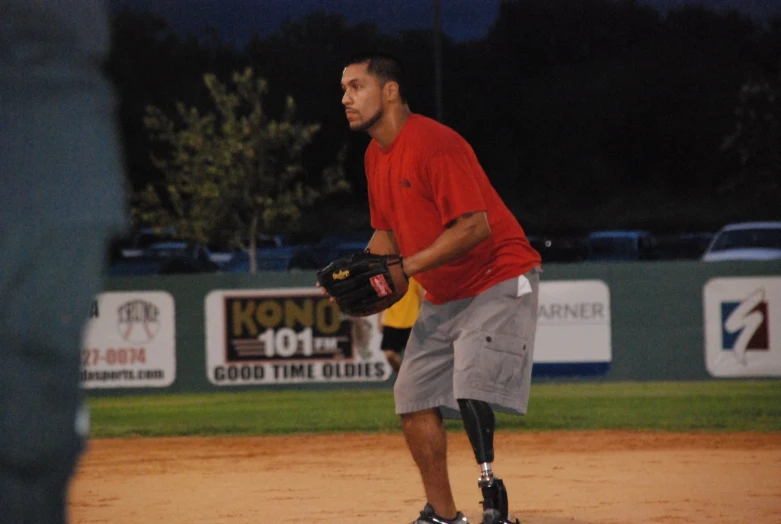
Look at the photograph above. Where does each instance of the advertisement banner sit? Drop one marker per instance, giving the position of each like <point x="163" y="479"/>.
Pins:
<point x="129" y="341"/>
<point x="743" y="326"/>
<point x="573" y="327"/>
<point x="288" y="335"/>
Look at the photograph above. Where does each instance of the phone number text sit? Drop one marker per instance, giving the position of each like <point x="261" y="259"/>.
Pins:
<point x="112" y="356"/>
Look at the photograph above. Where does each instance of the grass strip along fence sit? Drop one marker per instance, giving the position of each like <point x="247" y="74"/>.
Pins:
<point x="713" y="406"/>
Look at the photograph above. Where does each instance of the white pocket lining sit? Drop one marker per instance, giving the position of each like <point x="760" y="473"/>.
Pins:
<point x="524" y="286"/>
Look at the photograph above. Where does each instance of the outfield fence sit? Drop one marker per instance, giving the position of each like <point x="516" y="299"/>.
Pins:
<point x="638" y="321"/>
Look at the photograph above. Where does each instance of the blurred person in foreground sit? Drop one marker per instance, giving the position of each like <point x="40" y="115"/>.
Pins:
<point x="470" y="350"/>
<point x="395" y="324"/>
<point x="61" y="201"/>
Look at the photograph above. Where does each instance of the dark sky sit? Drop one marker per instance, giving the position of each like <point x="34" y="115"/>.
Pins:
<point x="461" y="19"/>
<point x="237" y="19"/>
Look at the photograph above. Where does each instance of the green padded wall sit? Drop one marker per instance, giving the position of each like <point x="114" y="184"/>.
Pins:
<point x="657" y="326"/>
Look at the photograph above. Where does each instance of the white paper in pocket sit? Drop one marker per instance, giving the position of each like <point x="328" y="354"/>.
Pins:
<point x="524" y="286"/>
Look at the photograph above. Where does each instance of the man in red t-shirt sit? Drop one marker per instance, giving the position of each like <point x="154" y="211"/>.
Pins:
<point x="470" y="351"/>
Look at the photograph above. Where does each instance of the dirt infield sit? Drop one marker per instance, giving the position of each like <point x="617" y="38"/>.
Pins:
<point x="552" y="478"/>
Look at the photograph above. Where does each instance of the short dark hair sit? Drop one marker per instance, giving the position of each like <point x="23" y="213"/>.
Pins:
<point x="384" y="66"/>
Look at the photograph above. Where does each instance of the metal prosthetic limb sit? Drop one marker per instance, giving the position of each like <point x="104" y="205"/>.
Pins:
<point x="479" y="422"/>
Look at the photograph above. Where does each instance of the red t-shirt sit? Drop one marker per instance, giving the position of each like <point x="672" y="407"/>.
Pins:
<point x="426" y="178"/>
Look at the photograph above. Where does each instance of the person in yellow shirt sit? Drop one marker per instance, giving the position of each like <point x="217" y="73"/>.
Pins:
<point x="395" y="323"/>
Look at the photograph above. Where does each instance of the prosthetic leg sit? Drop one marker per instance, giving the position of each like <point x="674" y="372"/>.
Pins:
<point x="479" y="422"/>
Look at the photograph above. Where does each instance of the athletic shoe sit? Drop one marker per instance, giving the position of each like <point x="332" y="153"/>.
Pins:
<point x="491" y="516"/>
<point x="427" y="516"/>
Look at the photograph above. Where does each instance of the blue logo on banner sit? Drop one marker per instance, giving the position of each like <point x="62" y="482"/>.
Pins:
<point x="744" y="325"/>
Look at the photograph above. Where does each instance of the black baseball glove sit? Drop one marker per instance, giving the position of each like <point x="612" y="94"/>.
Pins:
<point x="361" y="283"/>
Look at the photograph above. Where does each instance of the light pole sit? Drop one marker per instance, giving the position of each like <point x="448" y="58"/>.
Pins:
<point x="438" y="58"/>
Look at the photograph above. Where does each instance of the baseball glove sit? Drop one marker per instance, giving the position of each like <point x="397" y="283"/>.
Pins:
<point x="361" y="283"/>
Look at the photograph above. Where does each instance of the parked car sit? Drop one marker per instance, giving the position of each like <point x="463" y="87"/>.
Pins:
<point x="140" y="242"/>
<point x="173" y="257"/>
<point x="331" y="247"/>
<point x="621" y="246"/>
<point x="560" y="249"/>
<point x="746" y="241"/>
<point x="185" y="250"/>
<point x="287" y="258"/>
<point x="143" y="265"/>
<point x="682" y="246"/>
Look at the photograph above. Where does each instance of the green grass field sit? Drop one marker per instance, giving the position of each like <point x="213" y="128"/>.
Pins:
<point x="672" y="406"/>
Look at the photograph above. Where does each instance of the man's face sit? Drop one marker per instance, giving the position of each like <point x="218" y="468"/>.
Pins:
<point x="362" y="98"/>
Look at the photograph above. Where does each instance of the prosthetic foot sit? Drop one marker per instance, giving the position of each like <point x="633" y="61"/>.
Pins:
<point x="495" y="507"/>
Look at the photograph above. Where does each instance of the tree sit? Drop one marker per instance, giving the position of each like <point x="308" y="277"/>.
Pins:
<point x="151" y="64"/>
<point x="756" y="139"/>
<point x="231" y="175"/>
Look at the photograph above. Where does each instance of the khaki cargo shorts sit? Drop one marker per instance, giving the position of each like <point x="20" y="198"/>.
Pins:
<point x="479" y="348"/>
